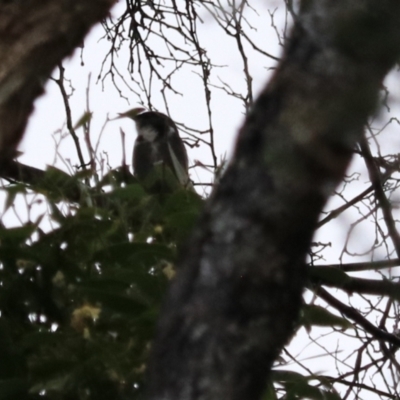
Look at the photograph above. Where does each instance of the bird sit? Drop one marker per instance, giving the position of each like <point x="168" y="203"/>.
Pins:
<point x="158" y="143"/>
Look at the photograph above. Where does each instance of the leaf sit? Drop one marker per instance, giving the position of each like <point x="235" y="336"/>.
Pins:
<point x="84" y="119"/>
<point x="181" y="211"/>
<point x="14" y="388"/>
<point x="132" y="192"/>
<point x="182" y="200"/>
<point x="12" y="359"/>
<point x="302" y="390"/>
<point x="331" y="275"/>
<point x="135" y="254"/>
<point x="319" y="316"/>
<point x="269" y="393"/>
<point x="297" y="386"/>
<point x="57" y="184"/>
<point x="17" y="235"/>
<point x="117" y="176"/>
<point x="56" y="214"/>
<point x="281" y="375"/>
<point x="180" y="224"/>
<point x="57" y="176"/>
<point x="152" y="285"/>
<point x="120" y="303"/>
<point x="36" y="339"/>
<point x="12" y="192"/>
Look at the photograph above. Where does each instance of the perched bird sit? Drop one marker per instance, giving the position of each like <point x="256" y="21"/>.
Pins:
<point x="158" y="143"/>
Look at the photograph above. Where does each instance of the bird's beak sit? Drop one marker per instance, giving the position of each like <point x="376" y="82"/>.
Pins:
<point x="133" y="113"/>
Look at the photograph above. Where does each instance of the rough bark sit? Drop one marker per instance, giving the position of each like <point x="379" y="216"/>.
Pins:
<point x="233" y="305"/>
<point x="35" y="35"/>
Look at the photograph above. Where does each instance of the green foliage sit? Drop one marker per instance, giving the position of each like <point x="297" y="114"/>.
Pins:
<point x="298" y="386"/>
<point x="319" y="316"/>
<point x="79" y="303"/>
<point x="334" y="276"/>
<point x="84" y="119"/>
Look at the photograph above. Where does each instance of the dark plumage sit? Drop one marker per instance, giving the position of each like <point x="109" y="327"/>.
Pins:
<point x="158" y="143"/>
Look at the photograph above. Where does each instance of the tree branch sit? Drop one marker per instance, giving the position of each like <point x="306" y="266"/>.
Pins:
<point x="378" y="287"/>
<point x="349" y="312"/>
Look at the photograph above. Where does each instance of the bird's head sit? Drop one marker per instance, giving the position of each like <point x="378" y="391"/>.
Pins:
<point x="132" y="114"/>
<point x="151" y="126"/>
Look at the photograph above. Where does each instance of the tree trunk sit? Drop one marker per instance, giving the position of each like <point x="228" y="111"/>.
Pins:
<point x="235" y="301"/>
